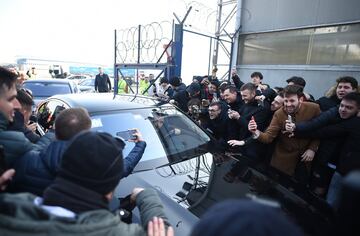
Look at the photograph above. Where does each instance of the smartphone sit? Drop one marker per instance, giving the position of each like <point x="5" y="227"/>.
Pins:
<point x="127" y="134"/>
<point x="290" y="118"/>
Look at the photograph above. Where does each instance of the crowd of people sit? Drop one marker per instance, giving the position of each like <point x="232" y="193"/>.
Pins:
<point x="44" y="177"/>
<point x="313" y="141"/>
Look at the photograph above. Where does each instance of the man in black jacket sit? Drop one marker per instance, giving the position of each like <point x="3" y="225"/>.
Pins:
<point x="233" y="98"/>
<point x="340" y="133"/>
<point x="251" y="109"/>
<point x="344" y="85"/>
<point x="177" y="85"/>
<point x="102" y="82"/>
<point x="219" y="125"/>
<point x="263" y="91"/>
<point x="182" y="98"/>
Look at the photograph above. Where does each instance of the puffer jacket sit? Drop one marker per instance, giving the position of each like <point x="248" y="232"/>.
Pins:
<point x="326" y="103"/>
<point x="15" y="143"/>
<point x="36" y="170"/>
<point x="21" y="216"/>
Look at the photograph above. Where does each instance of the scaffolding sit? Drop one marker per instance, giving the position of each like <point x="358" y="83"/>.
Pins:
<point x="141" y="53"/>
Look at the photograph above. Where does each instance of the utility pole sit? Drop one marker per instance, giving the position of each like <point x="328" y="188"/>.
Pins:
<point x="217" y="33"/>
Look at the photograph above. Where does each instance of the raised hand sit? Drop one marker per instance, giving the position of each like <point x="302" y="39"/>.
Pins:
<point x="156" y="227"/>
<point x="252" y="126"/>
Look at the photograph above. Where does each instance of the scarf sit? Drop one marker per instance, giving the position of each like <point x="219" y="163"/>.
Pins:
<point x="73" y="197"/>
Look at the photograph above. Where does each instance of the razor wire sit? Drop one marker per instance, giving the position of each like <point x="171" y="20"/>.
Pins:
<point x="202" y="18"/>
<point x="153" y="38"/>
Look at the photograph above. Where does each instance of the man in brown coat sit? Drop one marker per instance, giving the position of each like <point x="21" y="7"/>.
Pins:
<point x="289" y="151"/>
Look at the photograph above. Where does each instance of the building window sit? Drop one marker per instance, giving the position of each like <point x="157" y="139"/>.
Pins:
<point x="334" y="45"/>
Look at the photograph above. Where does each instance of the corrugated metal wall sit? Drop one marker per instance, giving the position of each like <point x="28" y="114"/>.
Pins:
<point x="274" y="15"/>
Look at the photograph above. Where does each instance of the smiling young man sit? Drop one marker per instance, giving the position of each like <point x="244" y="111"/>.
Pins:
<point x="289" y="151"/>
<point x="344" y="85"/>
<point x="8" y="101"/>
<point x="15" y="143"/>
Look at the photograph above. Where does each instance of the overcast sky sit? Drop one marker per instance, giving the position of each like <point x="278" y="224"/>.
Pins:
<point x="83" y="30"/>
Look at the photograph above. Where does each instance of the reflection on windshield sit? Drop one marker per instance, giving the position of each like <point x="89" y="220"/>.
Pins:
<point x="167" y="132"/>
<point x="181" y="138"/>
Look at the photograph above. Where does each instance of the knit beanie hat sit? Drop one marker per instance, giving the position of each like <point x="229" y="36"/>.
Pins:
<point x="175" y="81"/>
<point x="193" y="88"/>
<point x="244" y="217"/>
<point x="94" y="161"/>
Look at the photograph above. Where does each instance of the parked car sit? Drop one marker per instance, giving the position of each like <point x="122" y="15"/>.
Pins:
<point x="183" y="165"/>
<point x="87" y="85"/>
<point x="44" y="88"/>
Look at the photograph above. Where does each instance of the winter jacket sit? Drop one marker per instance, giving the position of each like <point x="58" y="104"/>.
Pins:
<point x="235" y="106"/>
<point x="329" y="148"/>
<point x="349" y="130"/>
<point x="330" y="116"/>
<point x="15" y="143"/>
<point x="182" y="98"/>
<point x="36" y="170"/>
<point x="21" y="216"/>
<point x="18" y="125"/>
<point x="178" y="89"/>
<point x="222" y="128"/>
<point x="102" y="83"/>
<point x="262" y="116"/>
<point x="237" y="81"/>
<point x="326" y="103"/>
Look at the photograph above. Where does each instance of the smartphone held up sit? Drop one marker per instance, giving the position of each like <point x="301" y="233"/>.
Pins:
<point x="127" y="134"/>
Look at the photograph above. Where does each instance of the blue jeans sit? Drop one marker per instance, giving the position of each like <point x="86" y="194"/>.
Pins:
<point x="334" y="190"/>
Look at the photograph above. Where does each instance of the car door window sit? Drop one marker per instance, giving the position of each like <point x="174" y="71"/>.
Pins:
<point x="176" y="140"/>
<point x="48" y="112"/>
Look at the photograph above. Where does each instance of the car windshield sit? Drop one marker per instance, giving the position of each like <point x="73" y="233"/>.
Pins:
<point x="46" y="89"/>
<point x="170" y="134"/>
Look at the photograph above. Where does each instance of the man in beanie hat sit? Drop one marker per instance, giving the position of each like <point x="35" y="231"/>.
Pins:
<point x="77" y="202"/>
<point x="182" y="98"/>
<point x="177" y="85"/>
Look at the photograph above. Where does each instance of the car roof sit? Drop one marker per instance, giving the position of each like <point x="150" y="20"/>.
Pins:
<point x="57" y="81"/>
<point x="106" y="102"/>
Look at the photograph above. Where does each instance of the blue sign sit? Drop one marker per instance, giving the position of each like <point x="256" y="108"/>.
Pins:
<point x="94" y="70"/>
